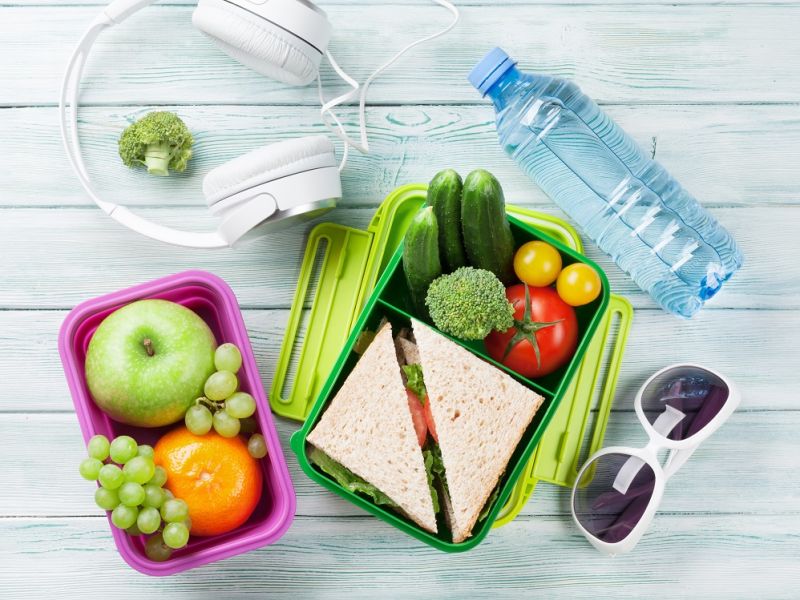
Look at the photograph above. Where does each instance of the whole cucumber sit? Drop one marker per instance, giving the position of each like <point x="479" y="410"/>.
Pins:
<point x="444" y="195"/>
<point x="487" y="233"/>
<point x="421" y="262"/>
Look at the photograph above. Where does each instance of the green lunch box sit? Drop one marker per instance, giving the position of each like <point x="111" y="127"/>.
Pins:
<point x="332" y="305"/>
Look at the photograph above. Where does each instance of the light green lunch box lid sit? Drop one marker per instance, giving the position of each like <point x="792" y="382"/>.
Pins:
<point x="339" y="270"/>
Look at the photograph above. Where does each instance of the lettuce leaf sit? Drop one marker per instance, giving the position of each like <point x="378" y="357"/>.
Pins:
<point x="429" y="466"/>
<point x="437" y="464"/>
<point x="415" y="381"/>
<point x="488" y="506"/>
<point x="434" y="467"/>
<point x="347" y="479"/>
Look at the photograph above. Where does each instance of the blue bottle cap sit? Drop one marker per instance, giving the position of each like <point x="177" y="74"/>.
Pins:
<point x="490" y="69"/>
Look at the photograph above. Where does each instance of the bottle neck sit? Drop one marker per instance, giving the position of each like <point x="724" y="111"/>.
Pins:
<point x="504" y="89"/>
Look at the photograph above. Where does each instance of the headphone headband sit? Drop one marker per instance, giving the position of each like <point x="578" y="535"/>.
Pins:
<point x="304" y="20"/>
<point x="114" y="13"/>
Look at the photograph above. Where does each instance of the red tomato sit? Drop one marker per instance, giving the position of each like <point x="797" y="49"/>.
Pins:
<point x="550" y="324"/>
<point x="426" y="408"/>
<point x="418" y="416"/>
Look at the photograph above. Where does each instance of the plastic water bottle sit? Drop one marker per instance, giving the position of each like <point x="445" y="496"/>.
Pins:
<point x="629" y="205"/>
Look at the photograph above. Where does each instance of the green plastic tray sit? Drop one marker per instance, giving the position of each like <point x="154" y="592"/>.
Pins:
<point x="339" y="270"/>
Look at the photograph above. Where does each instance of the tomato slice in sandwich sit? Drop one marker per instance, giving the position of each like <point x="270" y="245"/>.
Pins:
<point x="418" y="416"/>
<point x="426" y="408"/>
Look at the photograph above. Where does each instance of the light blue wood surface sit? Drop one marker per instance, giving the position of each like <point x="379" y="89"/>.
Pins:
<point x="717" y="86"/>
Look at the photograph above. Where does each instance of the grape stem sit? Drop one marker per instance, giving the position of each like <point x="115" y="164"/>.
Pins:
<point x="209" y="404"/>
<point x="148" y="346"/>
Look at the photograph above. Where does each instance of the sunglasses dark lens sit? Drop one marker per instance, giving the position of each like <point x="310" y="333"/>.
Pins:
<point x="612" y="502"/>
<point x="681" y="401"/>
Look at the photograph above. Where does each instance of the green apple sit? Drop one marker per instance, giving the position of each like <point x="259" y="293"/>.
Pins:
<point x="148" y="361"/>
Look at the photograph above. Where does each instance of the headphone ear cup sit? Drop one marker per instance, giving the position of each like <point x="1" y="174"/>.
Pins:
<point x="265" y="188"/>
<point x="257" y="43"/>
<point x="268" y="163"/>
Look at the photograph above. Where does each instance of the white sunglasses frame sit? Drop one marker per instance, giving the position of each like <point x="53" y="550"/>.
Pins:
<point x="680" y="451"/>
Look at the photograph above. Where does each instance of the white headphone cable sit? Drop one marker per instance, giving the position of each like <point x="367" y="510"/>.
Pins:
<point x="339" y="131"/>
<point x="326" y="108"/>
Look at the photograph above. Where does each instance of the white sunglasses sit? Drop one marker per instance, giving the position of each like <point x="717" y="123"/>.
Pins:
<point x="618" y="490"/>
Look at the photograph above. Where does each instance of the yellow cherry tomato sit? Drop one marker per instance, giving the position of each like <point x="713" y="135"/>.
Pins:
<point x="537" y="263"/>
<point x="578" y="284"/>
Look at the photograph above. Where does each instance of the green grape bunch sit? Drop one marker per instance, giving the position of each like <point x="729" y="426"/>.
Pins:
<point x="131" y="488"/>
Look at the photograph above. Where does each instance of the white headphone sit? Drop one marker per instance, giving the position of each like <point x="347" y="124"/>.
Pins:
<point x="292" y="179"/>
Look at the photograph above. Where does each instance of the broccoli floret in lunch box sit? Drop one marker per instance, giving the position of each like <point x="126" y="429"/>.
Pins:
<point x="469" y="303"/>
<point x="160" y="141"/>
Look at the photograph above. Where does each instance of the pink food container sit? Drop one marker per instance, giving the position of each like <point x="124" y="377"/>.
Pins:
<point x="213" y="300"/>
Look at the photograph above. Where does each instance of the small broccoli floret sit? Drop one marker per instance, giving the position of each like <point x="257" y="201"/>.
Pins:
<point x="160" y="141"/>
<point x="469" y="303"/>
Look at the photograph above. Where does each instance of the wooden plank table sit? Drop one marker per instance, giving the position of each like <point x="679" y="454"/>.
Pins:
<point x="713" y="88"/>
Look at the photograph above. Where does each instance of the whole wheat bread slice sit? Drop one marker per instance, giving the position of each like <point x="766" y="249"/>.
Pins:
<point x="480" y="414"/>
<point x="368" y="428"/>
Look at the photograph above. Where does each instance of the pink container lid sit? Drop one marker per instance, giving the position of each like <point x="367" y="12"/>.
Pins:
<point x="212" y="299"/>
